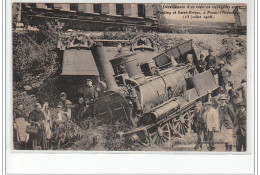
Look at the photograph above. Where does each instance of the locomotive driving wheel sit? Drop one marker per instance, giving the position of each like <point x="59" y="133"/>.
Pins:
<point x="161" y="135"/>
<point x="181" y="124"/>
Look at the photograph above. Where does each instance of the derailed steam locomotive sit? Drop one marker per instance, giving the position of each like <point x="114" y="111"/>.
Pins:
<point x="155" y="95"/>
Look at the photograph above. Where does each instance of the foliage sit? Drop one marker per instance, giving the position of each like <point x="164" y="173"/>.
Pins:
<point x="33" y="51"/>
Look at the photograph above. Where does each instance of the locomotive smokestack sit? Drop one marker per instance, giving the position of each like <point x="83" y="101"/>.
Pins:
<point x="104" y="66"/>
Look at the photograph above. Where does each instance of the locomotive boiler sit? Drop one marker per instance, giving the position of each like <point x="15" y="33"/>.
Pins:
<point x="154" y="94"/>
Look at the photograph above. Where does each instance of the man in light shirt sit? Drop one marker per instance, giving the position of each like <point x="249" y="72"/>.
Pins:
<point x="212" y="123"/>
<point x="227" y="119"/>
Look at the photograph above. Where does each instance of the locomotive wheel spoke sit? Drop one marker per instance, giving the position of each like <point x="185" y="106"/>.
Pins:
<point x="181" y="125"/>
<point x="161" y="136"/>
<point x="153" y="134"/>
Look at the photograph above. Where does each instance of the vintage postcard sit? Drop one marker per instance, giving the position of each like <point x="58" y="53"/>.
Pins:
<point x="129" y="77"/>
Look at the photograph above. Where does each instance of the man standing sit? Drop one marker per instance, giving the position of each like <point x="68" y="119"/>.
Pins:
<point x="223" y="74"/>
<point x="226" y="116"/>
<point x="241" y="131"/>
<point x="212" y="124"/>
<point x="233" y="95"/>
<point x="90" y="92"/>
<point x="200" y="124"/>
<point x="79" y="110"/>
<point x="211" y="60"/>
<point x="202" y="63"/>
<point x="243" y="88"/>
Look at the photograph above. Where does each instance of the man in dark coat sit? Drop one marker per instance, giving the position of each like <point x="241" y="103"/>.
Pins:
<point x="38" y="117"/>
<point x="90" y="92"/>
<point x="200" y="124"/>
<point x="227" y="118"/>
<point x="241" y="131"/>
<point x="223" y="74"/>
<point x="202" y="63"/>
<point x="233" y="95"/>
<point x="79" y="110"/>
<point x="210" y="60"/>
<point x="243" y="89"/>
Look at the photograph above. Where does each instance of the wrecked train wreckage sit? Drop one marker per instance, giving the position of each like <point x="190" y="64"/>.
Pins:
<point x="153" y="93"/>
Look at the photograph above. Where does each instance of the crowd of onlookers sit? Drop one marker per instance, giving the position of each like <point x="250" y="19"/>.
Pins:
<point x="226" y="114"/>
<point x="219" y="116"/>
<point x="36" y="130"/>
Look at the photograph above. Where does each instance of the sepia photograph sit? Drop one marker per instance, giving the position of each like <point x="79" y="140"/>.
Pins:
<point x="129" y="77"/>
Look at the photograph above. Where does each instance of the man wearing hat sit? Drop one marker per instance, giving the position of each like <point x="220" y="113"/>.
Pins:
<point x="210" y="60"/>
<point x="226" y="117"/>
<point x="241" y="130"/>
<point x="212" y="123"/>
<point x="223" y="74"/>
<point x="63" y="98"/>
<point x="200" y="124"/>
<point x="90" y="92"/>
<point x="243" y="89"/>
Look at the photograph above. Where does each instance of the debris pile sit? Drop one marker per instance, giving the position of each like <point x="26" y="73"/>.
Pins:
<point x="66" y="133"/>
<point x="101" y="138"/>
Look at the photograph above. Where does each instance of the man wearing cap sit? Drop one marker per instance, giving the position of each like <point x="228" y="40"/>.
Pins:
<point x="241" y="130"/>
<point x="212" y="123"/>
<point x="202" y="63"/>
<point x="226" y="117"/>
<point x="62" y="102"/>
<point x="233" y="95"/>
<point x="223" y="74"/>
<point x="211" y="60"/>
<point x="90" y="92"/>
<point x="243" y="89"/>
<point x="200" y="124"/>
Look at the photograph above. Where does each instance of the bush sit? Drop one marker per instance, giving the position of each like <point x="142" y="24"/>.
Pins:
<point x="33" y="51"/>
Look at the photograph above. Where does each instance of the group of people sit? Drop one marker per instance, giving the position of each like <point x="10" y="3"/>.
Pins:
<point x="210" y="118"/>
<point x="36" y="130"/>
<point x="225" y="115"/>
<point x="209" y="63"/>
<point x="33" y="131"/>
